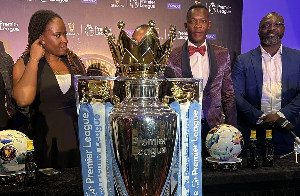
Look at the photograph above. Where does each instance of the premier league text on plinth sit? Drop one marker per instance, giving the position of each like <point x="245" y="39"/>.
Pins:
<point x="139" y="145"/>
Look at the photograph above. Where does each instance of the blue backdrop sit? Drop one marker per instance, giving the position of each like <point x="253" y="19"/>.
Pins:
<point x="255" y="10"/>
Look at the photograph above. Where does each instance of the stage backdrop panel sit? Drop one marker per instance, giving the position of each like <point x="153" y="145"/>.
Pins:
<point x="289" y="10"/>
<point x="85" y="20"/>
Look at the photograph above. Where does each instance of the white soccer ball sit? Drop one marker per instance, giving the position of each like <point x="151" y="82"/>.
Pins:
<point x="224" y="142"/>
<point x="13" y="149"/>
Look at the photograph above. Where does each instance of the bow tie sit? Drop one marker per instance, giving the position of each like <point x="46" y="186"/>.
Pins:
<point x="193" y="49"/>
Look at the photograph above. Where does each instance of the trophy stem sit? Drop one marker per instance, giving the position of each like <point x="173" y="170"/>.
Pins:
<point x="142" y="90"/>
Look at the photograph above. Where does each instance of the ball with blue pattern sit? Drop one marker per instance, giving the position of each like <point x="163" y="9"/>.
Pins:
<point x="224" y="142"/>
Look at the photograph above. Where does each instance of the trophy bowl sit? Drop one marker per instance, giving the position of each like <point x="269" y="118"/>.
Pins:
<point x="143" y="133"/>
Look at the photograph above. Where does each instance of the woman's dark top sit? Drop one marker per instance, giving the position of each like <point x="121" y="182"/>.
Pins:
<point x="55" y="120"/>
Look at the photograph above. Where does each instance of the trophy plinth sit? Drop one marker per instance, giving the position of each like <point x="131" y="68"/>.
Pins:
<point x="233" y="164"/>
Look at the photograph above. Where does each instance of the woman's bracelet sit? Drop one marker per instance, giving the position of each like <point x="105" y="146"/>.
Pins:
<point x="33" y="59"/>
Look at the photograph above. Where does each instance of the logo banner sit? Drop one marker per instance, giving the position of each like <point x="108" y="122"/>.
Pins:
<point x="189" y="153"/>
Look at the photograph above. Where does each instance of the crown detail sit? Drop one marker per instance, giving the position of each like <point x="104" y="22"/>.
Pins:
<point x="147" y="57"/>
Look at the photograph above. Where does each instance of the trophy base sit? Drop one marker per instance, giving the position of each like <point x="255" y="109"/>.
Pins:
<point x="230" y="165"/>
<point x="12" y="178"/>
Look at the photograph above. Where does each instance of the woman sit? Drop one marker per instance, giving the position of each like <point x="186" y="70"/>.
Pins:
<point x="43" y="80"/>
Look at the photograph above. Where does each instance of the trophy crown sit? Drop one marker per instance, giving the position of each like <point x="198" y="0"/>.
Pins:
<point x="144" y="58"/>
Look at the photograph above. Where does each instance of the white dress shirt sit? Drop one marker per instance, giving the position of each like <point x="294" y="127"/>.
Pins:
<point x="200" y="64"/>
<point x="272" y="76"/>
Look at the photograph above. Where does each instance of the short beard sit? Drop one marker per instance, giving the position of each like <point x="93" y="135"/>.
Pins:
<point x="265" y="40"/>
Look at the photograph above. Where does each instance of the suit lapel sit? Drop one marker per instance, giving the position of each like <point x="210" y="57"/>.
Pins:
<point x="185" y="62"/>
<point x="286" y="70"/>
<point x="257" y="67"/>
<point x="213" y="67"/>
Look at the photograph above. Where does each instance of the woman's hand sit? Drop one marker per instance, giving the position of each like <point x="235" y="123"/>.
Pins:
<point x="37" y="50"/>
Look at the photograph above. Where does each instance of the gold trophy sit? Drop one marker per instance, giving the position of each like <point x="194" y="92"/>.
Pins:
<point x="146" y="59"/>
<point x="143" y="129"/>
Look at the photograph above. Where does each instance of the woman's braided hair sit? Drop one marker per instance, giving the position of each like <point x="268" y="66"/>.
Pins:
<point x="37" y="25"/>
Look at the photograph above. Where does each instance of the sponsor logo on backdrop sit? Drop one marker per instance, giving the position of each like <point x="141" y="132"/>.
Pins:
<point x="84" y="29"/>
<point x="184" y="35"/>
<point x="89" y="1"/>
<point x="148" y="4"/>
<point x="134" y="3"/>
<point x="59" y="1"/>
<point x="211" y="36"/>
<point x="174" y="6"/>
<point x="71" y="31"/>
<point x="90" y="30"/>
<point x="9" y="26"/>
<point x="100" y="63"/>
<point x="71" y="26"/>
<point x="117" y="4"/>
<point x="219" y="9"/>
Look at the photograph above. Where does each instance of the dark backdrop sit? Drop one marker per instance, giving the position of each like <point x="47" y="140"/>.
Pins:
<point x="85" y="20"/>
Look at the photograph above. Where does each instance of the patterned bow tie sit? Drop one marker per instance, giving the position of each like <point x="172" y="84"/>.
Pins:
<point x="193" y="49"/>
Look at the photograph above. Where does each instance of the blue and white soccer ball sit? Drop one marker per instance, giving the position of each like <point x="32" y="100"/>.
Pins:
<point x="224" y="142"/>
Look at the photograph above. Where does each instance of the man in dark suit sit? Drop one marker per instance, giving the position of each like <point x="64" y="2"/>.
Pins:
<point x="267" y="85"/>
<point x="199" y="59"/>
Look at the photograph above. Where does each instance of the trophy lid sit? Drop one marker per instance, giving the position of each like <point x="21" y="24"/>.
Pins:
<point x="140" y="59"/>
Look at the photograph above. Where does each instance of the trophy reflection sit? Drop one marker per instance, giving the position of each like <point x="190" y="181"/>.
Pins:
<point x="143" y="129"/>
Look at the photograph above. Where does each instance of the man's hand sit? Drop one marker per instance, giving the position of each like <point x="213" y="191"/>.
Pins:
<point x="268" y="120"/>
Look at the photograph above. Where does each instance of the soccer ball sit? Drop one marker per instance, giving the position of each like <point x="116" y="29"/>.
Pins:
<point x="13" y="149"/>
<point x="224" y="142"/>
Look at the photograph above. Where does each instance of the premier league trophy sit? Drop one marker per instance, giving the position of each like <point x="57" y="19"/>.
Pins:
<point x="140" y="146"/>
<point x="143" y="129"/>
